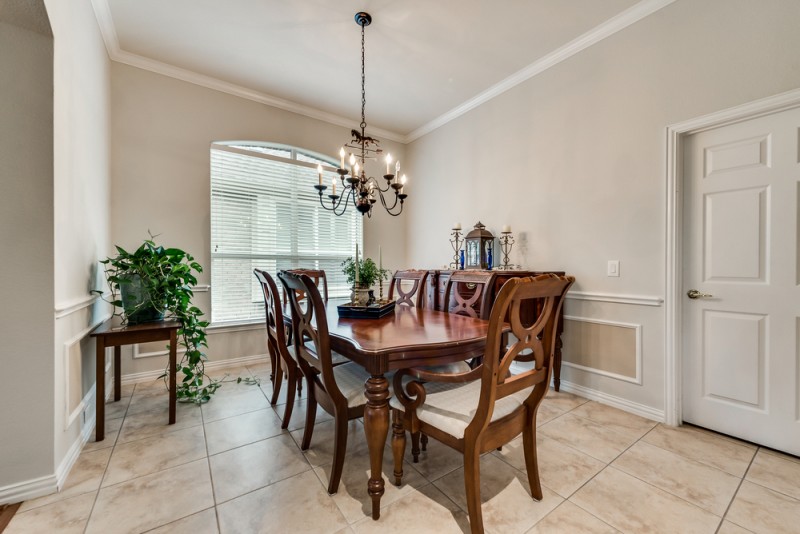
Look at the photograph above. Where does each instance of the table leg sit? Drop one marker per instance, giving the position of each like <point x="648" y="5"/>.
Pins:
<point x="173" y="386"/>
<point x="376" y="427"/>
<point x="100" y="397"/>
<point x="117" y="372"/>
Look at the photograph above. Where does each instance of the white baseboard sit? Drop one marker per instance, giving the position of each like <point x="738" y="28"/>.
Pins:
<point x="49" y="484"/>
<point x="614" y="401"/>
<point x="145" y="376"/>
<point x="29" y="489"/>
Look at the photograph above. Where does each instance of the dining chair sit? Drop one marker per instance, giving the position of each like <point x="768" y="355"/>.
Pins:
<point x="338" y="389"/>
<point x="281" y="359"/>
<point x="478" y="411"/>
<point x="409" y="296"/>
<point x="320" y="278"/>
<point x="469" y="293"/>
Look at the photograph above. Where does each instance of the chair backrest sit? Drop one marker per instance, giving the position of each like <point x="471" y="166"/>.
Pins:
<point x="413" y="296"/>
<point x="274" y="315"/>
<point x="310" y="332"/>
<point x="317" y="275"/>
<point x="469" y="293"/>
<point x="535" y="343"/>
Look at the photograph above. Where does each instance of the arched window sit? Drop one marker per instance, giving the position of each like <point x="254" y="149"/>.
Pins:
<point x="265" y="214"/>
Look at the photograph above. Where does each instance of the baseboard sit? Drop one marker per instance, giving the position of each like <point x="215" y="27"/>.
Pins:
<point x="29" y="489"/>
<point x="49" y="484"/>
<point x="614" y="401"/>
<point x="145" y="376"/>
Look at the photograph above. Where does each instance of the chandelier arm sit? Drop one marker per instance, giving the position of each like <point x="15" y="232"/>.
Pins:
<point x="388" y="208"/>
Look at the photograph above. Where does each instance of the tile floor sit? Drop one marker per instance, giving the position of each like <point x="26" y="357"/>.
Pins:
<point x="228" y="467"/>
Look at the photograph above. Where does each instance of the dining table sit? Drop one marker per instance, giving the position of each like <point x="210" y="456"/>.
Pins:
<point x="407" y="337"/>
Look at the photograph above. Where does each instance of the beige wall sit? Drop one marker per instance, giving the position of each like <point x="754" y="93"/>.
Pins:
<point x="80" y="213"/>
<point x="162" y="129"/>
<point x="574" y="158"/>
<point x="26" y="237"/>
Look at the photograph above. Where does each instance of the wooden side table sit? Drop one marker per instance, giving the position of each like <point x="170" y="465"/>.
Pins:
<point x="108" y="336"/>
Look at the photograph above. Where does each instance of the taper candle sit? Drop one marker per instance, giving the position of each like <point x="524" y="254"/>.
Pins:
<point x="356" y="264"/>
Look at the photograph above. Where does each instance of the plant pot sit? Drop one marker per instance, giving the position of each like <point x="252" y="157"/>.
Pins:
<point x="360" y="296"/>
<point x="136" y="302"/>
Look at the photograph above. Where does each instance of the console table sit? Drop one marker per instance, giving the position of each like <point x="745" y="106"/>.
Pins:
<point x="107" y="335"/>
<point x="437" y="282"/>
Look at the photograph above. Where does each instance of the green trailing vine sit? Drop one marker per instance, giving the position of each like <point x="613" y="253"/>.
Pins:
<point x="167" y="276"/>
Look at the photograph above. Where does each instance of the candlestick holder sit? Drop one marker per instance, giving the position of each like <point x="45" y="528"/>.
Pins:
<point x="380" y="288"/>
<point x="456" y="243"/>
<point x="506" y="244"/>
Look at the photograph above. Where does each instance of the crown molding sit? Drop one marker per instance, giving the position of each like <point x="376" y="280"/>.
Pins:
<point x="619" y="22"/>
<point x="105" y="21"/>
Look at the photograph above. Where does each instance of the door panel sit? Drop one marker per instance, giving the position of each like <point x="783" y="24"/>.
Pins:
<point x="741" y="223"/>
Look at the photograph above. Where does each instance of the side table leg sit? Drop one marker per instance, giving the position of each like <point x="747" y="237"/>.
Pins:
<point x="173" y="387"/>
<point x="100" y="400"/>
<point x="117" y="372"/>
<point x="376" y="427"/>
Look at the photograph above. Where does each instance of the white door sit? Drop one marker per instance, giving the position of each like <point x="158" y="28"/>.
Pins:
<point x="740" y="246"/>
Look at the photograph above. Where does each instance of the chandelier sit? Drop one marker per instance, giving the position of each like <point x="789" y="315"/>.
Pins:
<point x="356" y="187"/>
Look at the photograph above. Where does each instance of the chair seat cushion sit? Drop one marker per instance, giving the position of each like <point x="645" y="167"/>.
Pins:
<point x="451" y="407"/>
<point x="336" y="358"/>
<point x="351" y="377"/>
<point x="446" y="368"/>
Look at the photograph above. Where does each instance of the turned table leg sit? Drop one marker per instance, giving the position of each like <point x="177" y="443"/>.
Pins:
<point x="376" y="427"/>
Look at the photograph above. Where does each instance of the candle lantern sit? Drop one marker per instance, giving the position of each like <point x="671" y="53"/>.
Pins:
<point x="479" y="242"/>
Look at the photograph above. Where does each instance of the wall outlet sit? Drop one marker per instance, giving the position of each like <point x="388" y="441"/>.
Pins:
<point x="613" y="268"/>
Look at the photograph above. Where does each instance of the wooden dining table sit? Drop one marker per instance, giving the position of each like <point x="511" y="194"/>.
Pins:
<point x="408" y="337"/>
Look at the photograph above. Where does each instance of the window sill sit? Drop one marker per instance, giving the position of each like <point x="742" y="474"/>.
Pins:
<point x="235" y="326"/>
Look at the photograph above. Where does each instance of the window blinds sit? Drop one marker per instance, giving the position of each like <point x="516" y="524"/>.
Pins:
<point x="265" y="214"/>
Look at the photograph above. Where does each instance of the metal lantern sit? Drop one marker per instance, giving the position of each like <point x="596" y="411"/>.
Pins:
<point x="479" y="243"/>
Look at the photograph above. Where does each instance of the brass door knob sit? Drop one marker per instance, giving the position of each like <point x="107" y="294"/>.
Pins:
<point x="695" y="294"/>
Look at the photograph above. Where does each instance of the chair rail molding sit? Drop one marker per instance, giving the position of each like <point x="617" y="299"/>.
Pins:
<point x="63" y="309"/>
<point x="637" y="379"/>
<point x="640" y="300"/>
<point x="675" y="134"/>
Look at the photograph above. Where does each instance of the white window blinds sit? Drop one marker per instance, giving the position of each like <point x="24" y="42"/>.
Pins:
<point x="265" y="214"/>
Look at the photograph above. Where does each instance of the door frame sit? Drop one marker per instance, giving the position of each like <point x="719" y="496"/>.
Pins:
<point x="673" y="292"/>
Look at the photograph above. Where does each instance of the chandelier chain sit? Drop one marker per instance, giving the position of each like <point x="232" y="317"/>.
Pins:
<point x="363" y="87"/>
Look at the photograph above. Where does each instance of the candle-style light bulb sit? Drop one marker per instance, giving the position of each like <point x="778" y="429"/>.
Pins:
<point x="403" y="183"/>
<point x="341" y="158"/>
<point x="388" y="161"/>
<point x="319" y="171"/>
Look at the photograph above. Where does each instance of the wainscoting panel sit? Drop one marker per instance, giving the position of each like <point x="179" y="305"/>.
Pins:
<point x="608" y="348"/>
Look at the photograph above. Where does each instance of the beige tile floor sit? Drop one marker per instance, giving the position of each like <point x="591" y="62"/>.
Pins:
<point x="228" y="467"/>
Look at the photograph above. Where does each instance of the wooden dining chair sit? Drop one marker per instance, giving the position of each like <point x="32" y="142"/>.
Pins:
<point x="281" y="360"/>
<point x="409" y="296"/>
<point x="469" y="293"/>
<point x="338" y="389"/>
<point x="319" y="278"/>
<point x="478" y="411"/>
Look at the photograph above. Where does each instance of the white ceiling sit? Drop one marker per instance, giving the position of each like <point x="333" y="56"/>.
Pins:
<point x="424" y="58"/>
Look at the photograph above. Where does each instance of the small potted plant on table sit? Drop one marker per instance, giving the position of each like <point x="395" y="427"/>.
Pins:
<point x="361" y="276"/>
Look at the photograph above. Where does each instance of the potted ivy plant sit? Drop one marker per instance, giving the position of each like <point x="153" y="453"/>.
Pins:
<point x="155" y="282"/>
<point x="368" y="274"/>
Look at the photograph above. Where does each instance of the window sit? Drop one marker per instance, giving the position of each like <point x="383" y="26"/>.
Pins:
<point x="265" y="214"/>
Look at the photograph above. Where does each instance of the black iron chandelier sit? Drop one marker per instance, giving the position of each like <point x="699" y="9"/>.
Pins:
<point x="356" y="187"/>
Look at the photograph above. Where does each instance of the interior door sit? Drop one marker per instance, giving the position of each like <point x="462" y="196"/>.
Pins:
<point x="741" y="258"/>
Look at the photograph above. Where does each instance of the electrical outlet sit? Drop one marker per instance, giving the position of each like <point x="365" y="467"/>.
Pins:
<point x="613" y="268"/>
